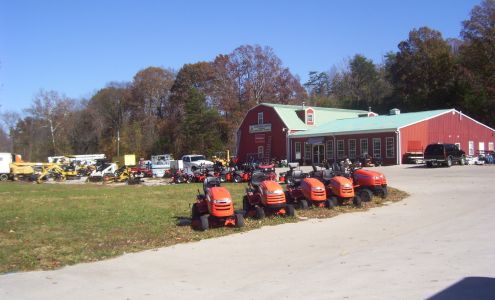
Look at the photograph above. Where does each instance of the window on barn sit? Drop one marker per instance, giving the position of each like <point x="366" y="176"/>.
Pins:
<point x="298" y="151"/>
<point x="490" y="146"/>
<point x="307" y="151"/>
<point x="458" y="145"/>
<point x="340" y="149"/>
<point x="260" y="118"/>
<point x="309" y="119"/>
<point x="260" y="152"/>
<point x="352" y="149"/>
<point x="481" y="147"/>
<point x="390" y="147"/>
<point x="364" y="146"/>
<point x="471" y="148"/>
<point x="377" y="147"/>
<point x="330" y="154"/>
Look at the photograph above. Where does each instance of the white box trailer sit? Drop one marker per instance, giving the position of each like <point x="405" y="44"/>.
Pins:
<point x="5" y="160"/>
<point x="177" y="164"/>
<point x="160" y="163"/>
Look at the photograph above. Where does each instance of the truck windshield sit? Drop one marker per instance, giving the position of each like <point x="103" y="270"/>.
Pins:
<point x="197" y="157"/>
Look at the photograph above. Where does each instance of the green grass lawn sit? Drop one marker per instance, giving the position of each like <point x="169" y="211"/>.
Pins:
<point x="46" y="226"/>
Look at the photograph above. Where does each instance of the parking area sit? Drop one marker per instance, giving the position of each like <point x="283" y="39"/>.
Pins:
<point x="412" y="249"/>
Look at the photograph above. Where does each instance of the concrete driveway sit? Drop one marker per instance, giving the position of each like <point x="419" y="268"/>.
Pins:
<point x="443" y="233"/>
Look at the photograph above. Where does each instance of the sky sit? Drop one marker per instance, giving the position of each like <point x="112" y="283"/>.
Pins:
<point x="77" y="47"/>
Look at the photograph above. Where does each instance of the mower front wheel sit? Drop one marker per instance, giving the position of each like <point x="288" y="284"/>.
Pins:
<point x="334" y="200"/>
<point x="357" y="201"/>
<point x="383" y="192"/>
<point x="260" y="213"/>
<point x="4" y="177"/>
<point x="303" y="204"/>
<point x="329" y="203"/>
<point x="204" y="223"/>
<point x="366" y="195"/>
<point x="239" y="220"/>
<point x="289" y="210"/>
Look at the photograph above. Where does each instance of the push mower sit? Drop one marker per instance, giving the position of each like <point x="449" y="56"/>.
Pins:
<point x="214" y="208"/>
<point x="265" y="196"/>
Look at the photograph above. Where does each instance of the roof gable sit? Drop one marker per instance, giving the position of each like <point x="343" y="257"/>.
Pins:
<point x="322" y="115"/>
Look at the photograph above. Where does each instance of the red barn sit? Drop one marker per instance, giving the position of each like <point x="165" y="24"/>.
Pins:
<point x="263" y="134"/>
<point x="390" y="137"/>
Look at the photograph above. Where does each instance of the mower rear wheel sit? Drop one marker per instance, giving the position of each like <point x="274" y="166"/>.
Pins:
<point x="329" y="203"/>
<point x="289" y="210"/>
<point x="462" y="162"/>
<point x="4" y="177"/>
<point x="245" y="204"/>
<point x="357" y="201"/>
<point x="204" y="223"/>
<point x="366" y="195"/>
<point x="239" y="220"/>
<point x="195" y="212"/>
<point x="260" y="213"/>
<point x="237" y="178"/>
<point x="303" y="204"/>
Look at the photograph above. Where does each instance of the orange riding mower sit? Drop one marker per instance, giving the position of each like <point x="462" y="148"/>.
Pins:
<point x="215" y="207"/>
<point x="304" y="192"/>
<point x="368" y="183"/>
<point x="339" y="188"/>
<point x="265" y="196"/>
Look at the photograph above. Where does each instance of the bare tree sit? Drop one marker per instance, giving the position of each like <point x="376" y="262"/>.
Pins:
<point x="10" y="119"/>
<point x="53" y="109"/>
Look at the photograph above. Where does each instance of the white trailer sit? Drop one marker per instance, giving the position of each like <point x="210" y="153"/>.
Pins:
<point x="160" y="163"/>
<point x="5" y="160"/>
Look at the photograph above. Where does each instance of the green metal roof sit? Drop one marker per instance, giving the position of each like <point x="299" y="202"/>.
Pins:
<point x="322" y="115"/>
<point x="378" y="123"/>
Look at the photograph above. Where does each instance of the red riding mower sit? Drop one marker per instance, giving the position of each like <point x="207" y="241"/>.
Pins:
<point x="306" y="191"/>
<point x="269" y="170"/>
<point x="236" y="175"/>
<point x="368" y="183"/>
<point x="265" y="196"/>
<point x="215" y="207"/>
<point x="339" y="186"/>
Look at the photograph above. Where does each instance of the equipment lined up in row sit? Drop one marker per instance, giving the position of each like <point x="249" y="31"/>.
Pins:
<point x="324" y="188"/>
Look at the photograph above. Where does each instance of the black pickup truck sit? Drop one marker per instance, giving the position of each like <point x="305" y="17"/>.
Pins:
<point x="443" y="154"/>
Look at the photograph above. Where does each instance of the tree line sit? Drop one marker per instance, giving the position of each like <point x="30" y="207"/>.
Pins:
<point x="199" y="107"/>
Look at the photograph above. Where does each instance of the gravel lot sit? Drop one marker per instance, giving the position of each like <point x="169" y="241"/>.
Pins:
<point x="412" y="249"/>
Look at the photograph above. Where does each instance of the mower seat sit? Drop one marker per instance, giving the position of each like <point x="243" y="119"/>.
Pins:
<point x="211" y="182"/>
<point x="298" y="176"/>
<point x="257" y="178"/>
<point x="327" y="174"/>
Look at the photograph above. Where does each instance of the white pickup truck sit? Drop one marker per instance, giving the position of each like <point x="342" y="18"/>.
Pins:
<point x="192" y="162"/>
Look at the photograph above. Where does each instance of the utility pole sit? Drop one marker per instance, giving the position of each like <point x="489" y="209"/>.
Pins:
<point x="118" y="142"/>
